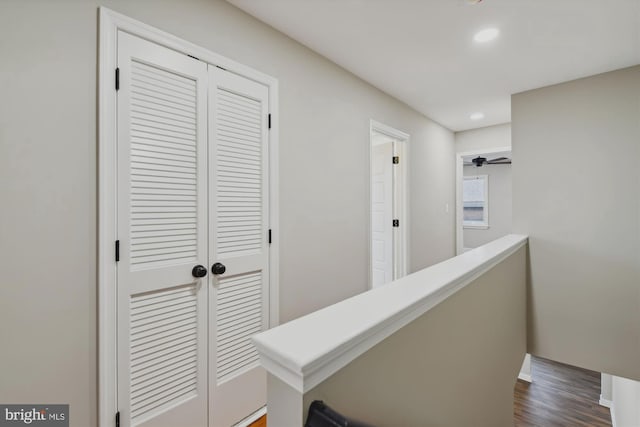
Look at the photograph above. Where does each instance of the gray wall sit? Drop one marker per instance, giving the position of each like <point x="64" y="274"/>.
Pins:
<point x="48" y="176"/>
<point x="499" y="205"/>
<point x="576" y="152"/>
<point x="455" y="366"/>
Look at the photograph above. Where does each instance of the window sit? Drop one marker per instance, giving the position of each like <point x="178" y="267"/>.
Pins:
<point x="475" y="201"/>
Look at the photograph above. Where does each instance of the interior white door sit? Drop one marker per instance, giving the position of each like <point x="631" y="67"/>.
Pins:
<point x="162" y="231"/>
<point x="382" y="214"/>
<point x="239" y="207"/>
<point x="397" y="204"/>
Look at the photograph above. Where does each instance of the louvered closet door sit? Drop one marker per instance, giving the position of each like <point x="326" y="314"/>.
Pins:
<point x="162" y="228"/>
<point x="238" y="172"/>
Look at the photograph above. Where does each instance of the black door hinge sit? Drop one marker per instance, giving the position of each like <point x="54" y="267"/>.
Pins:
<point x="117" y="250"/>
<point x="396" y="160"/>
<point x="269" y="236"/>
<point x="269" y="120"/>
<point x="117" y="78"/>
<point x="118" y="419"/>
<point x="396" y="223"/>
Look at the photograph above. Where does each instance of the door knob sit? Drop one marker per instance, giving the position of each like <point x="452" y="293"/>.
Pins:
<point x="199" y="271"/>
<point x="218" y="268"/>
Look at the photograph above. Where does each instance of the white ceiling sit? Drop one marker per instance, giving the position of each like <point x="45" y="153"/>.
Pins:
<point x="422" y="51"/>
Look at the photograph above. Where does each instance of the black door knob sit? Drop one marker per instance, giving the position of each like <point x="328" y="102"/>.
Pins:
<point x="199" y="271"/>
<point x="218" y="268"/>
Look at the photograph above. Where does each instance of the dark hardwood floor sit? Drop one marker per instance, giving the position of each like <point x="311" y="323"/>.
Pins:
<point x="560" y="396"/>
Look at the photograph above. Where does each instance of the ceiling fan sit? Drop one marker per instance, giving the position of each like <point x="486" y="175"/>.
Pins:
<point x="479" y="161"/>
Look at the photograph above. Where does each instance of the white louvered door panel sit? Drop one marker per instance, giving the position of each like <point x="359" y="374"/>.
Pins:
<point x="162" y="228"/>
<point x="239" y="206"/>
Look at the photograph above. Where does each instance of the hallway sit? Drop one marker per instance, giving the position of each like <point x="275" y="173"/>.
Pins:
<point x="561" y="395"/>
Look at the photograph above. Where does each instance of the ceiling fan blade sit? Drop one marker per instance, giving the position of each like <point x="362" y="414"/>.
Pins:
<point x="499" y="159"/>
<point x="501" y="162"/>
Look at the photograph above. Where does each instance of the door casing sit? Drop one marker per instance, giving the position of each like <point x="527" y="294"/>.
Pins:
<point x="110" y="23"/>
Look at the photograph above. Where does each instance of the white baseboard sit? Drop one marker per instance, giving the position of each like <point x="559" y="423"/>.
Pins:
<point x="613" y="417"/>
<point x="525" y="377"/>
<point x="252" y="418"/>
<point x="609" y="404"/>
<point x="605" y="402"/>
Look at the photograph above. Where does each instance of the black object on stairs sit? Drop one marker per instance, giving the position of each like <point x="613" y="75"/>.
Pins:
<point x="320" y="415"/>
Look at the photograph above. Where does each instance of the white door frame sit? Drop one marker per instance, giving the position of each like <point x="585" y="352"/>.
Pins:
<point x="401" y="197"/>
<point x="459" y="178"/>
<point x="110" y="23"/>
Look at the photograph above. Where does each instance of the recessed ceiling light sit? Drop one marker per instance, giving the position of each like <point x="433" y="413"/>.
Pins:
<point x="477" y="116"/>
<point x="486" y="35"/>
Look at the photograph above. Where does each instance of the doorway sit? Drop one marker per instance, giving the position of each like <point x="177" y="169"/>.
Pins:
<point x="388" y="213"/>
<point x="484" y="197"/>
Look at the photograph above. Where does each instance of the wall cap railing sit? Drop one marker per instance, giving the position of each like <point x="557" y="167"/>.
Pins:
<point x="306" y="351"/>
